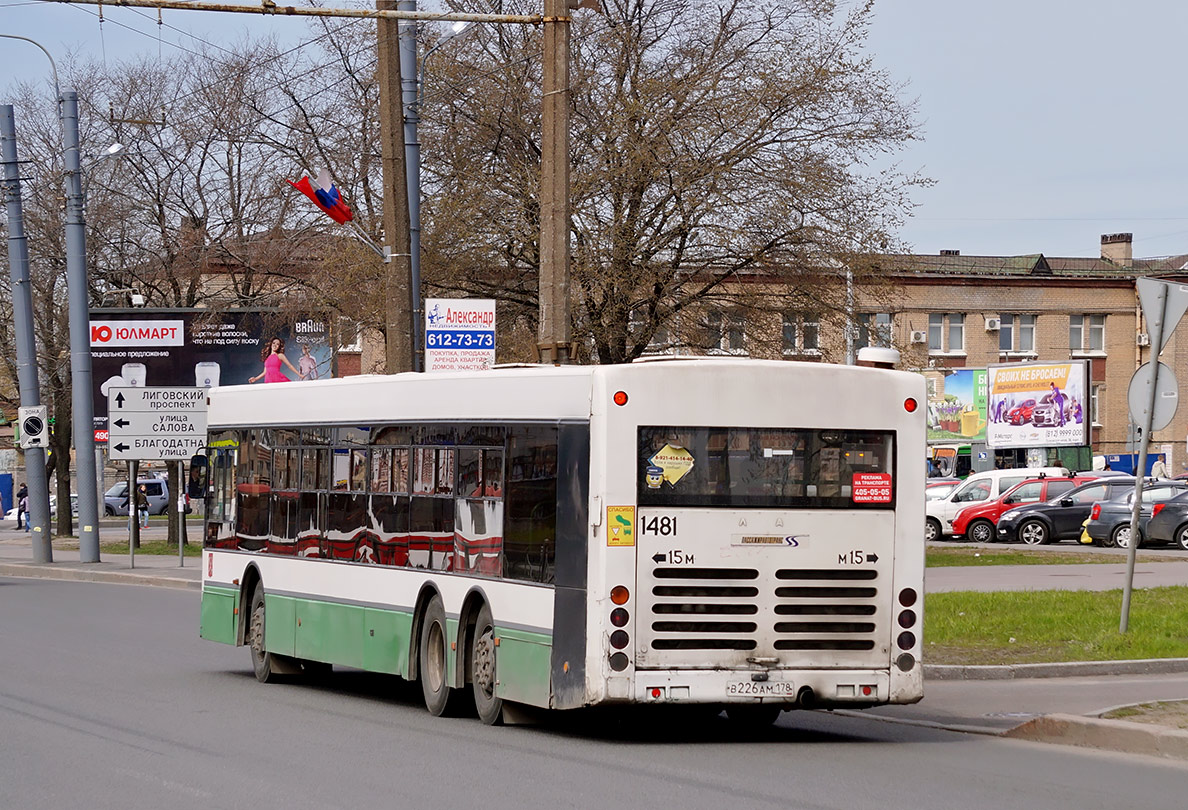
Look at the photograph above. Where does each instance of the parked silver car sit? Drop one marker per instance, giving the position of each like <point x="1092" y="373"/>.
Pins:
<point x="115" y="500"/>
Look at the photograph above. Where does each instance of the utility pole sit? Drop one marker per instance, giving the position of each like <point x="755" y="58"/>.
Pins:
<point x="400" y="344"/>
<point x="80" y="338"/>
<point x="22" y="316"/>
<point x="553" y="333"/>
<point x="412" y="169"/>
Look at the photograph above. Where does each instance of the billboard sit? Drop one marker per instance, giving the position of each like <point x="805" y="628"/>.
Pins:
<point x="957" y="406"/>
<point x="198" y="348"/>
<point x="459" y="334"/>
<point x="1039" y="405"/>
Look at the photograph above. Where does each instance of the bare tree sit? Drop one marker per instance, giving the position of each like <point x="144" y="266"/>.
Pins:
<point x="723" y="158"/>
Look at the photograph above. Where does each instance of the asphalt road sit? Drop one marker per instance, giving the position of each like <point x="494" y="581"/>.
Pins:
<point x="108" y="699"/>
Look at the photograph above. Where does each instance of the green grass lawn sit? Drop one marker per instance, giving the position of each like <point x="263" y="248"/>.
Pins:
<point x="1019" y="627"/>
<point x="968" y="556"/>
<point x="154" y="547"/>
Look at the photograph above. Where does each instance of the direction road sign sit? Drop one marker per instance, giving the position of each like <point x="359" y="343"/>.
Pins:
<point x="156" y="424"/>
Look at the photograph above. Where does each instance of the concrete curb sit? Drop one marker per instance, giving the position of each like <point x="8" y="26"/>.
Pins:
<point x="1144" y="666"/>
<point x="1110" y="735"/>
<point x="89" y="574"/>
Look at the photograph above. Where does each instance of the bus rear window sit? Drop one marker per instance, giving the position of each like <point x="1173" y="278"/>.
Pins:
<point x="762" y="467"/>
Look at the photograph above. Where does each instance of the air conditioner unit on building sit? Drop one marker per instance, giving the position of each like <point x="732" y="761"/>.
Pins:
<point x="1144" y="339"/>
<point x="919" y="336"/>
<point x="993" y="324"/>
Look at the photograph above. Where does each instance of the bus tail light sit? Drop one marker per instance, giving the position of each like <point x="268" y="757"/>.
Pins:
<point x="619" y="617"/>
<point x="620" y="397"/>
<point x="620" y="594"/>
<point x="907" y="597"/>
<point x="1095" y="513"/>
<point x="910" y="405"/>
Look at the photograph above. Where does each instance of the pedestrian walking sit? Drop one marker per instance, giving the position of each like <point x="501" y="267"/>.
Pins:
<point x="142" y="506"/>
<point x="22" y="503"/>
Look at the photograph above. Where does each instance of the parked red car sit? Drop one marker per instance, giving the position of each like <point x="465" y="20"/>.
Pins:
<point x="1022" y="412"/>
<point x="977" y="522"/>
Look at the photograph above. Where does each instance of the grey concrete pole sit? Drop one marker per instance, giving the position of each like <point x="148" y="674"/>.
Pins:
<point x="80" y="338"/>
<point x="412" y="161"/>
<point x="553" y="331"/>
<point x="26" y="351"/>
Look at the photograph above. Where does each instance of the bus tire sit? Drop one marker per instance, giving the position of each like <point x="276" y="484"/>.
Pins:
<point x="432" y="658"/>
<point x="482" y="670"/>
<point x="267" y="666"/>
<point x="753" y="715"/>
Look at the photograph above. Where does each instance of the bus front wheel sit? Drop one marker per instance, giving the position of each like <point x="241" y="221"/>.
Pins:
<point x="266" y="665"/>
<point x="482" y="669"/>
<point x="432" y="659"/>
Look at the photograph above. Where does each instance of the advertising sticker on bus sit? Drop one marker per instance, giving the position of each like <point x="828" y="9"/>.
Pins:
<point x="871" y="487"/>
<point x="620" y="525"/>
<point x="673" y="461"/>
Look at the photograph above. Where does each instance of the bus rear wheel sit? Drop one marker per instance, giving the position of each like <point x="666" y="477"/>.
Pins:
<point x="482" y="669"/>
<point x="432" y="658"/>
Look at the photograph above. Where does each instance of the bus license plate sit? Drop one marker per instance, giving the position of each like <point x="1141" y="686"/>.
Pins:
<point x="761" y="688"/>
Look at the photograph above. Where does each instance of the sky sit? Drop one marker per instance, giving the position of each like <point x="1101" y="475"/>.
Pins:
<point x="1045" y="123"/>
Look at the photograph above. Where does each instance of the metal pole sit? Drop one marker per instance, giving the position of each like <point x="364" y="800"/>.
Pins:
<point x="398" y="352"/>
<point x="181" y="514"/>
<point x="305" y="11"/>
<point x="1141" y="470"/>
<point x="133" y="517"/>
<point x="80" y="339"/>
<point x="26" y="348"/>
<point x="409" y="91"/>
<point x="553" y="330"/>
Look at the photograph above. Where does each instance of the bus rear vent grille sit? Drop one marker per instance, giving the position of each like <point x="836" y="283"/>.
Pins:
<point x="719" y="609"/>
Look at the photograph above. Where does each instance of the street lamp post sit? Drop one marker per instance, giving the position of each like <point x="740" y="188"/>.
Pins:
<point x="412" y="91"/>
<point x="80" y="339"/>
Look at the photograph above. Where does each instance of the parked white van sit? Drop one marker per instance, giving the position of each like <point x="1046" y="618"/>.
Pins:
<point x="978" y="488"/>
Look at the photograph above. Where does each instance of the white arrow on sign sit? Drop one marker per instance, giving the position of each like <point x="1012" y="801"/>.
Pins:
<point x="156" y="400"/>
<point x="186" y="423"/>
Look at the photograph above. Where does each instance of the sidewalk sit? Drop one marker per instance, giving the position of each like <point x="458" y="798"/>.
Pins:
<point x="16" y="559"/>
<point x="1054" y="703"/>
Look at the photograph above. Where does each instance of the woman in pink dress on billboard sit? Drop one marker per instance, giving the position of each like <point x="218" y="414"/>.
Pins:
<point x="273" y="356"/>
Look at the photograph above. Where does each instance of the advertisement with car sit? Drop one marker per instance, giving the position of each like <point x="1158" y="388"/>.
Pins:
<point x="1038" y="404"/>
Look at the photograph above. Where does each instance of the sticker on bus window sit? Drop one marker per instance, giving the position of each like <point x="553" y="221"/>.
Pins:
<point x="673" y="461"/>
<point x="872" y="488"/>
<point x="620" y="525"/>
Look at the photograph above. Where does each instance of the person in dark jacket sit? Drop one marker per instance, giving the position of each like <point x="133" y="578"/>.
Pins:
<point x="22" y="504"/>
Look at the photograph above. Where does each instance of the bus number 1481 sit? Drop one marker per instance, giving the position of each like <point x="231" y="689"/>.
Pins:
<point x="664" y="526"/>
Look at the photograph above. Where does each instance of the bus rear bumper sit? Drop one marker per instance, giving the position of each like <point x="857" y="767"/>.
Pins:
<point x="792" y="688"/>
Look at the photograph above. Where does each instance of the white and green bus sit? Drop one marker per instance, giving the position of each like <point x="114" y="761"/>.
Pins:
<point x="733" y="532"/>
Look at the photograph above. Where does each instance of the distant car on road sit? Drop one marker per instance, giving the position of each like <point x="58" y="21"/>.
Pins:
<point x="1059" y="518"/>
<point x="1169" y="523"/>
<point x="937" y="488"/>
<point x="1021" y="413"/>
<point x="115" y="500"/>
<point x="977" y="522"/>
<point x="1109" y="521"/>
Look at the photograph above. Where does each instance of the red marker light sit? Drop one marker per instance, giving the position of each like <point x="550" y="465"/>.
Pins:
<point x="620" y="397"/>
<point x="1155" y="510"/>
<point x="910" y="405"/>
<point x="656" y="692"/>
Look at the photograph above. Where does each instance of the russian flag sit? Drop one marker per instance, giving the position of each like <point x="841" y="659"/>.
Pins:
<point x="325" y="197"/>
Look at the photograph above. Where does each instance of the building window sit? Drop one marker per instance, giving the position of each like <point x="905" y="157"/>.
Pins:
<point x="946" y="332"/>
<point x="1086" y="333"/>
<point x="725" y="333"/>
<point x="1095" y="405"/>
<point x="802" y="334"/>
<point x="1016" y="333"/>
<point x="874" y="329"/>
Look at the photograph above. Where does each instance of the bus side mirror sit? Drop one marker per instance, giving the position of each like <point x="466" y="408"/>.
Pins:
<point x="199" y="477"/>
